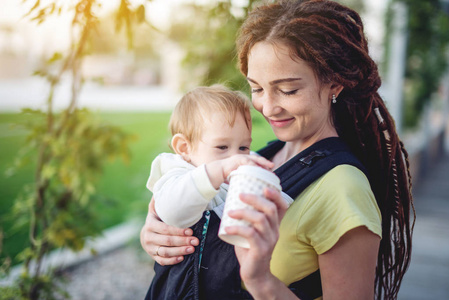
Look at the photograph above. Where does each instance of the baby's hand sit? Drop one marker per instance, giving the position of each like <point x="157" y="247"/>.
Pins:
<point x="219" y="170"/>
<point x="231" y="163"/>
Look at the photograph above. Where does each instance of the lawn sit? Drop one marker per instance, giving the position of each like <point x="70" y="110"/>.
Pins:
<point x="121" y="193"/>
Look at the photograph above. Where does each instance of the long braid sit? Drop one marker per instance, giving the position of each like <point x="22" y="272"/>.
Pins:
<point x="330" y="38"/>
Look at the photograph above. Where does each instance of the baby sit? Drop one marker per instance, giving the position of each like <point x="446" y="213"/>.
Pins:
<point x="211" y="129"/>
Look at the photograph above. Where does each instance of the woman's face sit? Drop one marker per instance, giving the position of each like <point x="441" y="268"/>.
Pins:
<point x="289" y="95"/>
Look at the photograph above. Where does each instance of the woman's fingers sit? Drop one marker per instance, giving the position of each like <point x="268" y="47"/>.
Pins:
<point x="276" y="197"/>
<point x="247" y="232"/>
<point x="166" y="235"/>
<point x="170" y="255"/>
<point x="258" y="220"/>
<point x="167" y="250"/>
<point x="154" y="238"/>
<point x="160" y="227"/>
<point x="272" y="202"/>
<point x="163" y="261"/>
<point x="261" y="245"/>
<point x="264" y="219"/>
<point x="273" y="209"/>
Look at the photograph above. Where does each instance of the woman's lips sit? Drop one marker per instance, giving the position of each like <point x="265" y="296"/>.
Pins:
<point x="281" y="123"/>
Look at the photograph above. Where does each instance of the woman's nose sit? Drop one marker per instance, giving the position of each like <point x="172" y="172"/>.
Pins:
<point x="270" y="106"/>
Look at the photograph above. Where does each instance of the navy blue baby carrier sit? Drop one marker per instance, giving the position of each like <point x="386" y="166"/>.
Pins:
<point x="212" y="271"/>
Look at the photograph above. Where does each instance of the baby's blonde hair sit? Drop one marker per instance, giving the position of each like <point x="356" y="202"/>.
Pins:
<point x="189" y="114"/>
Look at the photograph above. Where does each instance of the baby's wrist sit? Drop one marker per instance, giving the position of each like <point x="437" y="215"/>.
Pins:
<point x="214" y="171"/>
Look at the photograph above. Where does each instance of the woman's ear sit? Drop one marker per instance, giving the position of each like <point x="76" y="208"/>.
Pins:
<point x="336" y="89"/>
<point x="181" y="145"/>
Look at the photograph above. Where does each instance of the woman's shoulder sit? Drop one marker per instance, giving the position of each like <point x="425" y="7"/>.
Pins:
<point x="342" y="179"/>
<point x="344" y="176"/>
<point x="342" y="185"/>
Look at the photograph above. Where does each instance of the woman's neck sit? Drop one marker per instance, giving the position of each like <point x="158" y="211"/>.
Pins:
<point x="287" y="152"/>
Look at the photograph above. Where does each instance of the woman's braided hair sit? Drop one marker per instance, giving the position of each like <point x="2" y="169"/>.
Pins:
<point x="330" y="38"/>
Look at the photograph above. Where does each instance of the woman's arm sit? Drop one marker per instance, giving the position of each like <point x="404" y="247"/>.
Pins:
<point x="166" y="244"/>
<point x="347" y="269"/>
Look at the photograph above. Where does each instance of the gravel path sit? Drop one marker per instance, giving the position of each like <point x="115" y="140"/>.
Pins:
<point x="122" y="274"/>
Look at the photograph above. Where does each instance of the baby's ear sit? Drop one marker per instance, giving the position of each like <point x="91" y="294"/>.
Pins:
<point x="181" y="145"/>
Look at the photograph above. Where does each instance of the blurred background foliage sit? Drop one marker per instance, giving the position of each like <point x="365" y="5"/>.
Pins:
<point x="427" y="53"/>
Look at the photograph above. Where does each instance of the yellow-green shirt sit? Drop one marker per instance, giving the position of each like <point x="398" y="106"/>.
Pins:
<point x="335" y="203"/>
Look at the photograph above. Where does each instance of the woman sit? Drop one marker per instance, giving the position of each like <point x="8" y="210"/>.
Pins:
<point x="312" y="78"/>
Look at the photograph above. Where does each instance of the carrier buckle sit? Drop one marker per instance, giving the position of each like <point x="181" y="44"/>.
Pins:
<point x="312" y="157"/>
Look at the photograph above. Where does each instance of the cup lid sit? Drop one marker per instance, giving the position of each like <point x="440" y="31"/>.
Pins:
<point x="258" y="172"/>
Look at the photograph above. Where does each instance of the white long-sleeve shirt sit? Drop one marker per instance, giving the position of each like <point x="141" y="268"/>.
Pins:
<point x="182" y="192"/>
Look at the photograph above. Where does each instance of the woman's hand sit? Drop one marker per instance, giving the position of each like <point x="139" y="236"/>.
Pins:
<point x="166" y="244"/>
<point x="262" y="237"/>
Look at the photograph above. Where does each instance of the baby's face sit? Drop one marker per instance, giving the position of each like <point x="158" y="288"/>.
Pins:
<point x="219" y="140"/>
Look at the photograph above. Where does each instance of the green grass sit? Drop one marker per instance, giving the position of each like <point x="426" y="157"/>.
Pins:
<point x="121" y="193"/>
<point x="11" y="140"/>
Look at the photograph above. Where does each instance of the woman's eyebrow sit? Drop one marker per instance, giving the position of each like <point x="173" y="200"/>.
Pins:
<point x="277" y="81"/>
<point x="251" y="80"/>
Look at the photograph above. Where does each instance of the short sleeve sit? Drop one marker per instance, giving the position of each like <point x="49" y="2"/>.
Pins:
<point x="341" y="200"/>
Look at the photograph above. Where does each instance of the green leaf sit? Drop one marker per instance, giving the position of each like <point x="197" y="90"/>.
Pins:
<point x="26" y="254"/>
<point x="56" y="56"/>
<point x="48" y="171"/>
<point x="40" y="73"/>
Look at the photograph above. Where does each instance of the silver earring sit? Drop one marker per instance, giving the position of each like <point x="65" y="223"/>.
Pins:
<point x="334" y="99"/>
